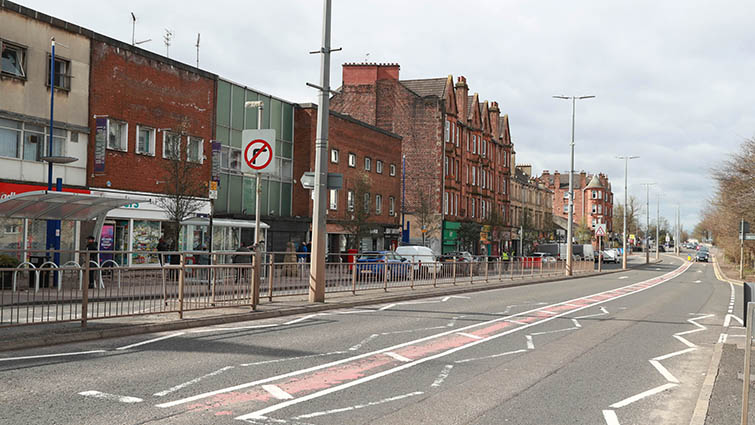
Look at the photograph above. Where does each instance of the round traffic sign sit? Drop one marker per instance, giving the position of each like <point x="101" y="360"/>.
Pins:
<point x="258" y="154"/>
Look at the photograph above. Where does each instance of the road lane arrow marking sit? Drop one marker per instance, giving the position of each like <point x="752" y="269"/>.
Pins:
<point x="276" y="392"/>
<point x="113" y="397"/>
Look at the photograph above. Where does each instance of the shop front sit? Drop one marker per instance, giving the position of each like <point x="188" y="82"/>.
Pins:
<point x="450" y="236"/>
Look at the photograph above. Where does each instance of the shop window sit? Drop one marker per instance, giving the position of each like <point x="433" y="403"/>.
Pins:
<point x="117" y="135"/>
<point x="145" y="140"/>
<point x="13" y="60"/>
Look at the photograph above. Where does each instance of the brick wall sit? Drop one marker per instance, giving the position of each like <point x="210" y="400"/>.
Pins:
<point x="141" y="90"/>
<point x="348" y="135"/>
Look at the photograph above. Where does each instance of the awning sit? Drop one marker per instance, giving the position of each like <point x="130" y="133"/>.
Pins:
<point x="52" y="205"/>
<point x="223" y="222"/>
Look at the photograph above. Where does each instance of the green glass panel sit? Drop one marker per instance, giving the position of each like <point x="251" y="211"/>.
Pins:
<point x="236" y="138"/>
<point x="234" y="193"/>
<point x="221" y="205"/>
<point x="285" y="199"/>
<point x="251" y="113"/>
<point x="274" y="198"/>
<point x="266" y="111"/>
<point x="287" y="150"/>
<point x="224" y="103"/>
<point x="263" y="197"/>
<point x="278" y="147"/>
<point x="287" y="125"/>
<point x="249" y="187"/>
<point x="223" y="135"/>
<point x="237" y="111"/>
<point x="275" y="116"/>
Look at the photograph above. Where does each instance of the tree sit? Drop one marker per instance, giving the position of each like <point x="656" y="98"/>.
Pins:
<point x="583" y="233"/>
<point x="633" y="226"/>
<point x="469" y="234"/>
<point x="426" y="214"/>
<point x="184" y="185"/>
<point x="358" y="226"/>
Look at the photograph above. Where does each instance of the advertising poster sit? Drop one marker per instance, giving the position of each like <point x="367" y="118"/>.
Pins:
<point x="107" y="243"/>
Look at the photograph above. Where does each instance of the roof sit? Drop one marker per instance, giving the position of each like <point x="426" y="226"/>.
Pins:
<point x="427" y="86"/>
<point x="224" y="222"/>
<point x="51" y="205"/>
<point x="595" y="183"/>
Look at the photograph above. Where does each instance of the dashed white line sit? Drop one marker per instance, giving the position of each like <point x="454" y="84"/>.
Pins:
<point x="722" y="338"/>
<point x="610" y="417"/>
<point x="442" y="376"/>
<point x="530" y="343"/>
<point x="386" y="307"/>
<point x="291" y="358"/>
<point x="149" y="341"/>
<point x="114" y="397"/>
<point x="640" y="396"/>
<point x="492" y="356"/>
<point x="235" y="328"/>
<point x="192" y="382"/>
<point x="44" y="356"/>
<point x="301" y="319"/>
<point x="469" y="335"/>
<point x="622" y="277"/>
<point x="276" y="392"/>
<point x="398" y="357"/>
<point x="358" y="406"/>
<point x="364" y="341"/>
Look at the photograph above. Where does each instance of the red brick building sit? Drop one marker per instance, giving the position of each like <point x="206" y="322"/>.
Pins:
<point x="593" y="198"/>
<point x="145" y="110"/>
<point x="359" y="151"/>
<point x="457" y="148"/>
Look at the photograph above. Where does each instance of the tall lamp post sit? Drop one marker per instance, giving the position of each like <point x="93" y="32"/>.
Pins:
<point x="657" y="228"/>
<point x="570" y="225"/>
<point x="647" y="222"/>
<point x="626" y="167"/>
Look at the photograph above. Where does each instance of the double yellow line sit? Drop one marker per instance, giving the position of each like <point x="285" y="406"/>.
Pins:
<point x="720" y="276"/>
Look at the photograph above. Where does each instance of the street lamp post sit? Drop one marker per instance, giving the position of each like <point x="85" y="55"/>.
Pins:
<point x="626" y="168"/>
<point x="570" y="225"/>
<point x="647" y="221"/>
<point x="657" y="228"/>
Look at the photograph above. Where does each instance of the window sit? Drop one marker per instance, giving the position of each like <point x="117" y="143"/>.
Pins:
<point x="350" y="200"/>
<point x="13" y="59"/>
<point x="593" y="223"/>
<point x="145" y="140"/>
<point x="59" y="136"/>
<point x="392" y="170"/>
<point x="334" y="156"/>
<point x="352" y="160"/>
<point x="172" y="145"/>
<point x="117" y="135"/>
<point x="34" y="136"/>
<point x="235" y="160"/>
<point x="62" y="75"/>
<point x="566" y="208"/>
<point x="74" y="137"/>
<point x="458" y="132"/>
<point x="367" y="202"/>
<point x="391" y="206"/>
<point x="445" y="203"/>
<point x="474" y="143"/>
<point x="447" y="131"/>
<point x="474" y="176"/>
<point x="594" y="194"/>
<point x="333" y="199"/>
<point x="600" y="209"/>
<point x="566" y="194"/>
<point x="195" y="149"/>
<point x="466" y="174"/>
<point x="10" y="138"/>
<point x="594" y="209"/>
<point x="378" y="204"/>
<point x="467" y="142"/>
<point x="367" y="163"/>
<point x="445" y="166"/>
<point x="379" y="166"/>
<point x="473" y="206"/>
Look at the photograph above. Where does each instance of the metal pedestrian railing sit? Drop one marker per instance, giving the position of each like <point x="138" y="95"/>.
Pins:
<point x="177" y="282"/>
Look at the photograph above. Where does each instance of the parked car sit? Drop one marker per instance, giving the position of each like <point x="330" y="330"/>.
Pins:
<point x="702" y="256"/>
<point x="546" y="257"/>
<point x="463" y="260"/>
<point x="422" y="259"/>
<point x="378" y="263"/>
<point x="611" y="255"/>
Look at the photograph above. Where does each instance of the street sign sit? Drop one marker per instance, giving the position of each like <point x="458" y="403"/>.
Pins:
<point x="335" y="180"/>
<point x="600" y="229"/>
<point x="258" y="153"/>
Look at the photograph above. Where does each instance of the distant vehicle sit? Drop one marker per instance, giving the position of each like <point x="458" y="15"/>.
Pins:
<point x="702" y="256"/>
<point x="546" y="257"/>
<point x="463" y="260"/>
<point x="611" y="255"/>
<point x="422" y="259"/>
<point x="584" y="252"/>
<point x="557" y="250"/>
<point x="378" y="263"/>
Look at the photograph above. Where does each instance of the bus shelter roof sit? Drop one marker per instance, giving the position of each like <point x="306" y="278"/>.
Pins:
<point x="52" y="205"/>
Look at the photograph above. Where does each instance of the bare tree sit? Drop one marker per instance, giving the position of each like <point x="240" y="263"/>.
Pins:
<point x="429" y="220"/>
<point x="184" y="184"/>
<point x="358" y="226"/>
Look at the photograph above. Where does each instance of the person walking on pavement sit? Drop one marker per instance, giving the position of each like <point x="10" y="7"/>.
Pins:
<point x="92" y="248"/>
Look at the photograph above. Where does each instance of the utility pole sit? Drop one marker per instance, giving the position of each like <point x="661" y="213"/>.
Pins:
<point x="626" y="167"/>
<point x="647" y="222"/>
<point x="570" y="224"/>
<point x="198" y="35"/>
<point x="742" y="249"/>
<point x="657" y="228"/>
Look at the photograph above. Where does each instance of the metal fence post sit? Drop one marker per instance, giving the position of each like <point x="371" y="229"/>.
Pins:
<point x="511" y="267"/>
<point x="354" y="277"/>
<point x="181" y="287"/>
<point x="435" y="273"/>
<point x="454" y="271"/>
<point x="252" y="280"/>
<point x="213" y="261"/>
<point x="487" y="265"/>
<point x="471" y="272"/>
<point x="271" y="278"/>
<point x="500" y="268"/>
<point x="385" y="277"/>
<point x="85" y="293"/>
<point x="411" y="272"/>
<point x="747" y="366"/>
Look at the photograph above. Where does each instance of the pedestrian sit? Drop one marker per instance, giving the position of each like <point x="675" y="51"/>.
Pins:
<point x="92" y="248"/>
<point x="309" y="250"/>
<point x="301" y="252"/>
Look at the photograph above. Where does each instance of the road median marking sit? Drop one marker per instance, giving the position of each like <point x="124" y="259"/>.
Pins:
<point x="150" y="341"/>
<point x="112" y="397"/>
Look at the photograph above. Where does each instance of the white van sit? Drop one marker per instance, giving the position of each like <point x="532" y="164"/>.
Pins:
<point x="422" y="259"/>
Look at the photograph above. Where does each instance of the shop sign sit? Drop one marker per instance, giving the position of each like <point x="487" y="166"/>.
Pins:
<point x="100" y="145"/>
<point x="11" y="189"/>
<point x="216" y="147"/>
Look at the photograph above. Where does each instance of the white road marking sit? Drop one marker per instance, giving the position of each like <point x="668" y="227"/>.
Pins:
<point x="469" y="335"/>
<point x="301" y="319"/>
<point x="622" y="277"/>
<point x="722" y="338"/>
<point x="149" y="341"/>
<point x="364" y="341"/>
<point x="642" y="395"/>
<point x="530" y="343"/>
<point x="517" y="322"/>
<point x="444" y="299"/>
<point x="398" y="357"/>
<point x="698" y="281"/>
<point x="44" y="356"/>
<point x="492" y="356"/>
<point x="386" y="307"/>
<point x="727" y="320"/>
<point x="610" y="417"/>
<point x="114" y="397"/>
<point x="354" y="311"/>
<point x="236" y="328"/>
<point x="674" y="354"/>
<point x="358" y="406"/>
<point x="603" y="313"/>
<point x="576" y="323"/>
<point x="291" y="358"/>
<point x="663" y="371"/>
<point x="276" y="392"/>
<point x="442" y="376"/>
<point x="369" y="378"/>
<point x="192" y="382"/>
<point x="407" y="331"/>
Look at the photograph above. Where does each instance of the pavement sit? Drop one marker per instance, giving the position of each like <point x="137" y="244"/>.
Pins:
<point x="44" y="335"/>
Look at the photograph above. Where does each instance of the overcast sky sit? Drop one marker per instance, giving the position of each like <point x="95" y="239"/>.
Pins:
<point x="672" y="78"/>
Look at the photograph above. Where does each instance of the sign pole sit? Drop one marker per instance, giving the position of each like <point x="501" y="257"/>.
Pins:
<point x="742" y="249"/>
<point x="257" y="247"/>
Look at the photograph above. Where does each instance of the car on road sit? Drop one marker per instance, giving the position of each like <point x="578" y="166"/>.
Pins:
<point x="611" y="255"/>
<point x="545" y="257"/>
<point x="461" y="260"/>
<point x="701" y="256"/>
<point x="421" y="258"/>
<point x="382" y="264"/>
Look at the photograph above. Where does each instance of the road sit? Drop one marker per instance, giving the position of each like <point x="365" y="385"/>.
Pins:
<point x="625" y="348"/>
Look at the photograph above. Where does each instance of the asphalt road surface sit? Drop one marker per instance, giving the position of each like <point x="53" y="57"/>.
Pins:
<point x="625" y="348"/>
